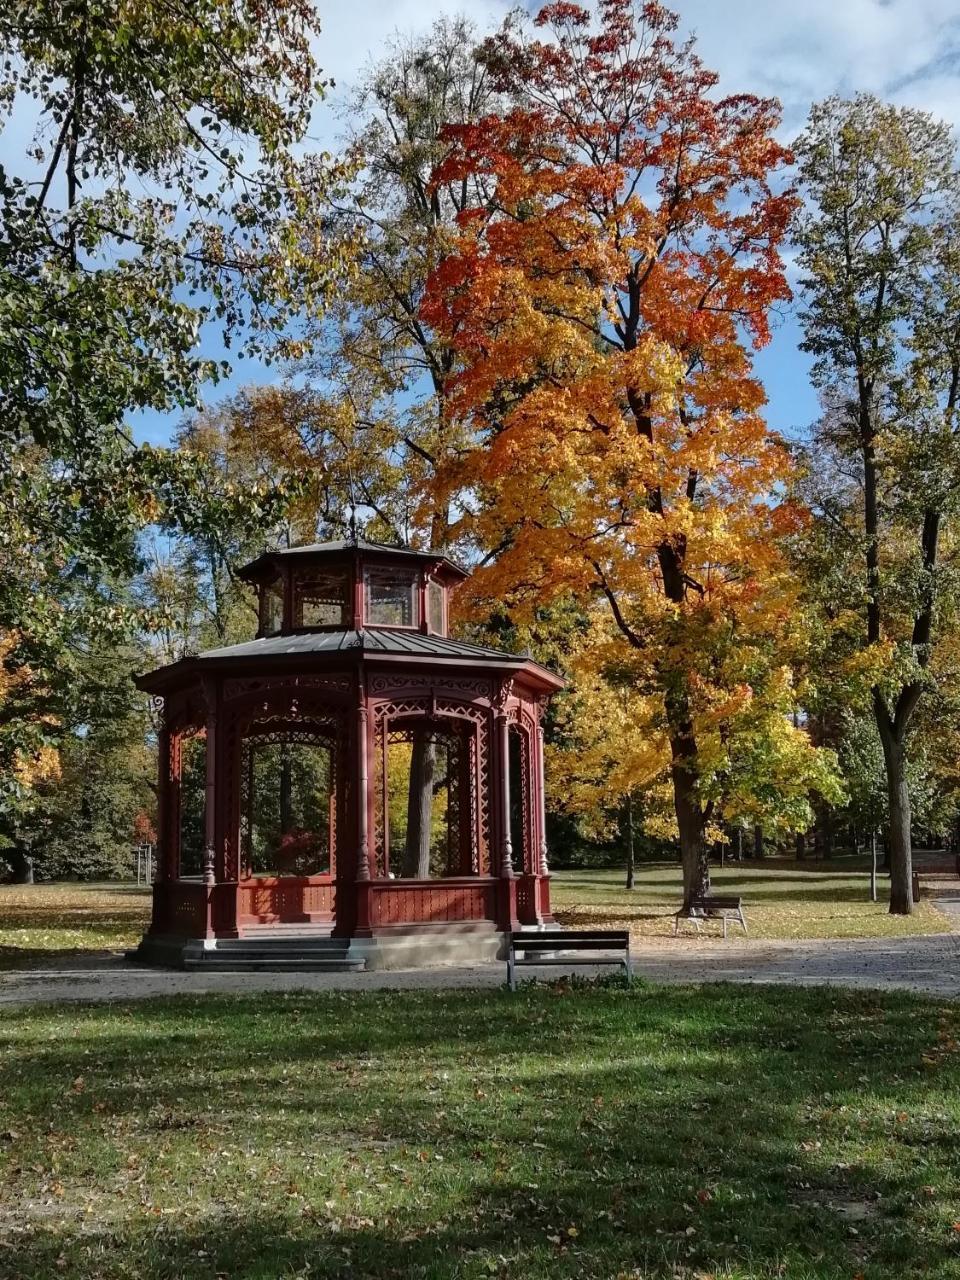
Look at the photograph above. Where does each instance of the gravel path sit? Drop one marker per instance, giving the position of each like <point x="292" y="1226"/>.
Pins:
<point x="929" y="964"/>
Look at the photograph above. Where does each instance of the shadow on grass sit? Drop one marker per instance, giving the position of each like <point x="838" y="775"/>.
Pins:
<point x="71" y="958"/>
<point x="564" y="1131"/>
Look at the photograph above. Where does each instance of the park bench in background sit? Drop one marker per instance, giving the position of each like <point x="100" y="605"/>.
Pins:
<point x="711" y="905"/>
<point x="578" y="947"/>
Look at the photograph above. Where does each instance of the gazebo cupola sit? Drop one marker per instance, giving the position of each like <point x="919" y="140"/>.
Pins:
<point x="366" y="781"/>
<point x="337" y="586"/>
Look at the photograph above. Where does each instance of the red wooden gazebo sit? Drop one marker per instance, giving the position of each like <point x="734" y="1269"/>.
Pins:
<point x="353" y="659"/>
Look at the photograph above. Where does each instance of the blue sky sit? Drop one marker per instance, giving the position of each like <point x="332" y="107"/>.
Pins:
<point x="904" y="50"/>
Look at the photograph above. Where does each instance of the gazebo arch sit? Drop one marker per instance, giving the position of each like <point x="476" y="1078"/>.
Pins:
<point x="353" y="653"/>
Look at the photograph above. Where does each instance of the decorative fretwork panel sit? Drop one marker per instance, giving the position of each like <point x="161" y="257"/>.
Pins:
<point x="252" y="685"/>
<point x="275" y="709"/>
<point x="298" y="853"/>
<point x="458" y="686"/>
<point x="465" y="727"/>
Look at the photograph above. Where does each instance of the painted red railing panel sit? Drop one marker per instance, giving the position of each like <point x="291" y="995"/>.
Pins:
<point x="527" y="899"/>
<point x="180" y="907"/>
<point x="399" y="902"/>
<point x="543" y="885"/>
<point x="285" y="899"/>
<point x="223" y="908"/>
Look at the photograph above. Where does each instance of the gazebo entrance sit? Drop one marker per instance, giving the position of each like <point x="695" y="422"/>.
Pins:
<point x="357" y="772"/>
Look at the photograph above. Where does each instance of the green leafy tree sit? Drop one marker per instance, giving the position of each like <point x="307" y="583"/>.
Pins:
<point x="159" y="194"/>
<point x="880" y="255"/>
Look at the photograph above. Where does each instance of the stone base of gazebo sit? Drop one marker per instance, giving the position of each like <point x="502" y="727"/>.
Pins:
<point x="319" y="950"/>
<point x="321" y="924"/>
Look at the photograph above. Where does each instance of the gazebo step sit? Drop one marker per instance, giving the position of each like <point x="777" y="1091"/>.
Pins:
<point x="283" y="953"/>
<point x="278" y="930"/>
<point x="283" y="946"/>
<point x="212" y="962"/>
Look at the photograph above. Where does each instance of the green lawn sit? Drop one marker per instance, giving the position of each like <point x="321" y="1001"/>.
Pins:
<point x="50" y="923"/>
<point x="782" y="900"/>
<point x="572" y="1131"/>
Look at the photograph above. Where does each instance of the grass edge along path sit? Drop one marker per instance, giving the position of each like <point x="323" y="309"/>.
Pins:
<point x="575" y="1130"/>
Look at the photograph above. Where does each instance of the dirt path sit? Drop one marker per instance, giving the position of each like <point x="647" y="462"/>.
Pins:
<point x="929" y="964"/>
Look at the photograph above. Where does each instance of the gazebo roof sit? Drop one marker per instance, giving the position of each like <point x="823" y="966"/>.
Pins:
<point x="322" y="550"/>
<point x="375" y="642"/>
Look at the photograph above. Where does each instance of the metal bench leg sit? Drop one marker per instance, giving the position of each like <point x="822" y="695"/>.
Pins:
<point x="676" y="924"/>
<point x="627" y="964"/>
<point x="743" y="923"/>
<point x="724" y="928"/>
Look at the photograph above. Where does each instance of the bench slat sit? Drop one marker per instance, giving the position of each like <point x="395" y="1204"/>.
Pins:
<point x="541" y="948"/>
<point x="558" y="940"/>
<point x="570" y="935"/>
<point x="717" y="901"/>
<point x="566" y="946"/>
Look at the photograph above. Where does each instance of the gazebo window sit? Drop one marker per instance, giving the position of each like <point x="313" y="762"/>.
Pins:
<point x="321" y="600"/>
<point x="271" y="608"/>
<point x="435" y="607"/>
<point x="391" y="598"/>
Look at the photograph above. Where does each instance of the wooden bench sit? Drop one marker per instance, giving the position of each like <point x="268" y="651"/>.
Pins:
<point x="540" y="947"/>
<point x="724" y="906"/>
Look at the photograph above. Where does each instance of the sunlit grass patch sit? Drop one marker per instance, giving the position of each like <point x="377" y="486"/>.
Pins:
<point x="46" y="922"/>
<point x="781" y="900"/>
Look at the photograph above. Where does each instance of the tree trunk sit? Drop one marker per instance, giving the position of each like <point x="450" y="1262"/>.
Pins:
<point x="738" y="843"/>
<point x="286" y="791"/>
<point x="423" y="768"/>
<point x="758" y="851"/>
<point x="898" y="797"/>
<point x="693" y="847"/>
<point x="801" y="846"/>
<point x="628" y="823"/>
<point x="22" y="864"/>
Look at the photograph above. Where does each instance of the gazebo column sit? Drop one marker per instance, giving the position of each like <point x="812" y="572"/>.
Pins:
<point x="220" y="892"/>
<point x="168" y="804"/>
<point x="465" y="808"/>
<point x="529" y="901"/>
<point x="507" y="895"/>
<point x="168" y="826"/>
<point x="538" y="786"/>
<point x="363" y="887"/>
<point x="209" y="861"/>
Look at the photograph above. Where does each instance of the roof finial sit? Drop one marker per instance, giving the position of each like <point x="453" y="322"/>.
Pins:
<point x="352" y="522"/>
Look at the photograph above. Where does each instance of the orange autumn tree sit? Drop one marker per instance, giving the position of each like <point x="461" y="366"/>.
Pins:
<point x="603" y="301"/>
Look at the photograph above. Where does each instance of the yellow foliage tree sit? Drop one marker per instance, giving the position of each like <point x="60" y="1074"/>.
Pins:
<point x="599" y="299"/>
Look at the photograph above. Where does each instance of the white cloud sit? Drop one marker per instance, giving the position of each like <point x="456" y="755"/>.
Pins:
<point x="804" y="51"/>
<point x="904" y="50"/>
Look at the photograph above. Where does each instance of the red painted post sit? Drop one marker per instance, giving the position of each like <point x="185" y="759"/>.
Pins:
<point x="227" y="822"/>
<point x="211" y="798"/>
<point x="163" y="804"/>
<point x="507" y="888"/>
<point x="385" y="795"/>
<point x="543" y="870"/>
<point x="362" y="864"/>
<point x="174" y="805"/>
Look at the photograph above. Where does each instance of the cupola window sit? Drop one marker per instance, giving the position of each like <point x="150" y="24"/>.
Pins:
<point x="391" y="598"/>
<point x="322" y="600"/>
<point x="271" y="608"/>
<point x="435" y="607"/>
